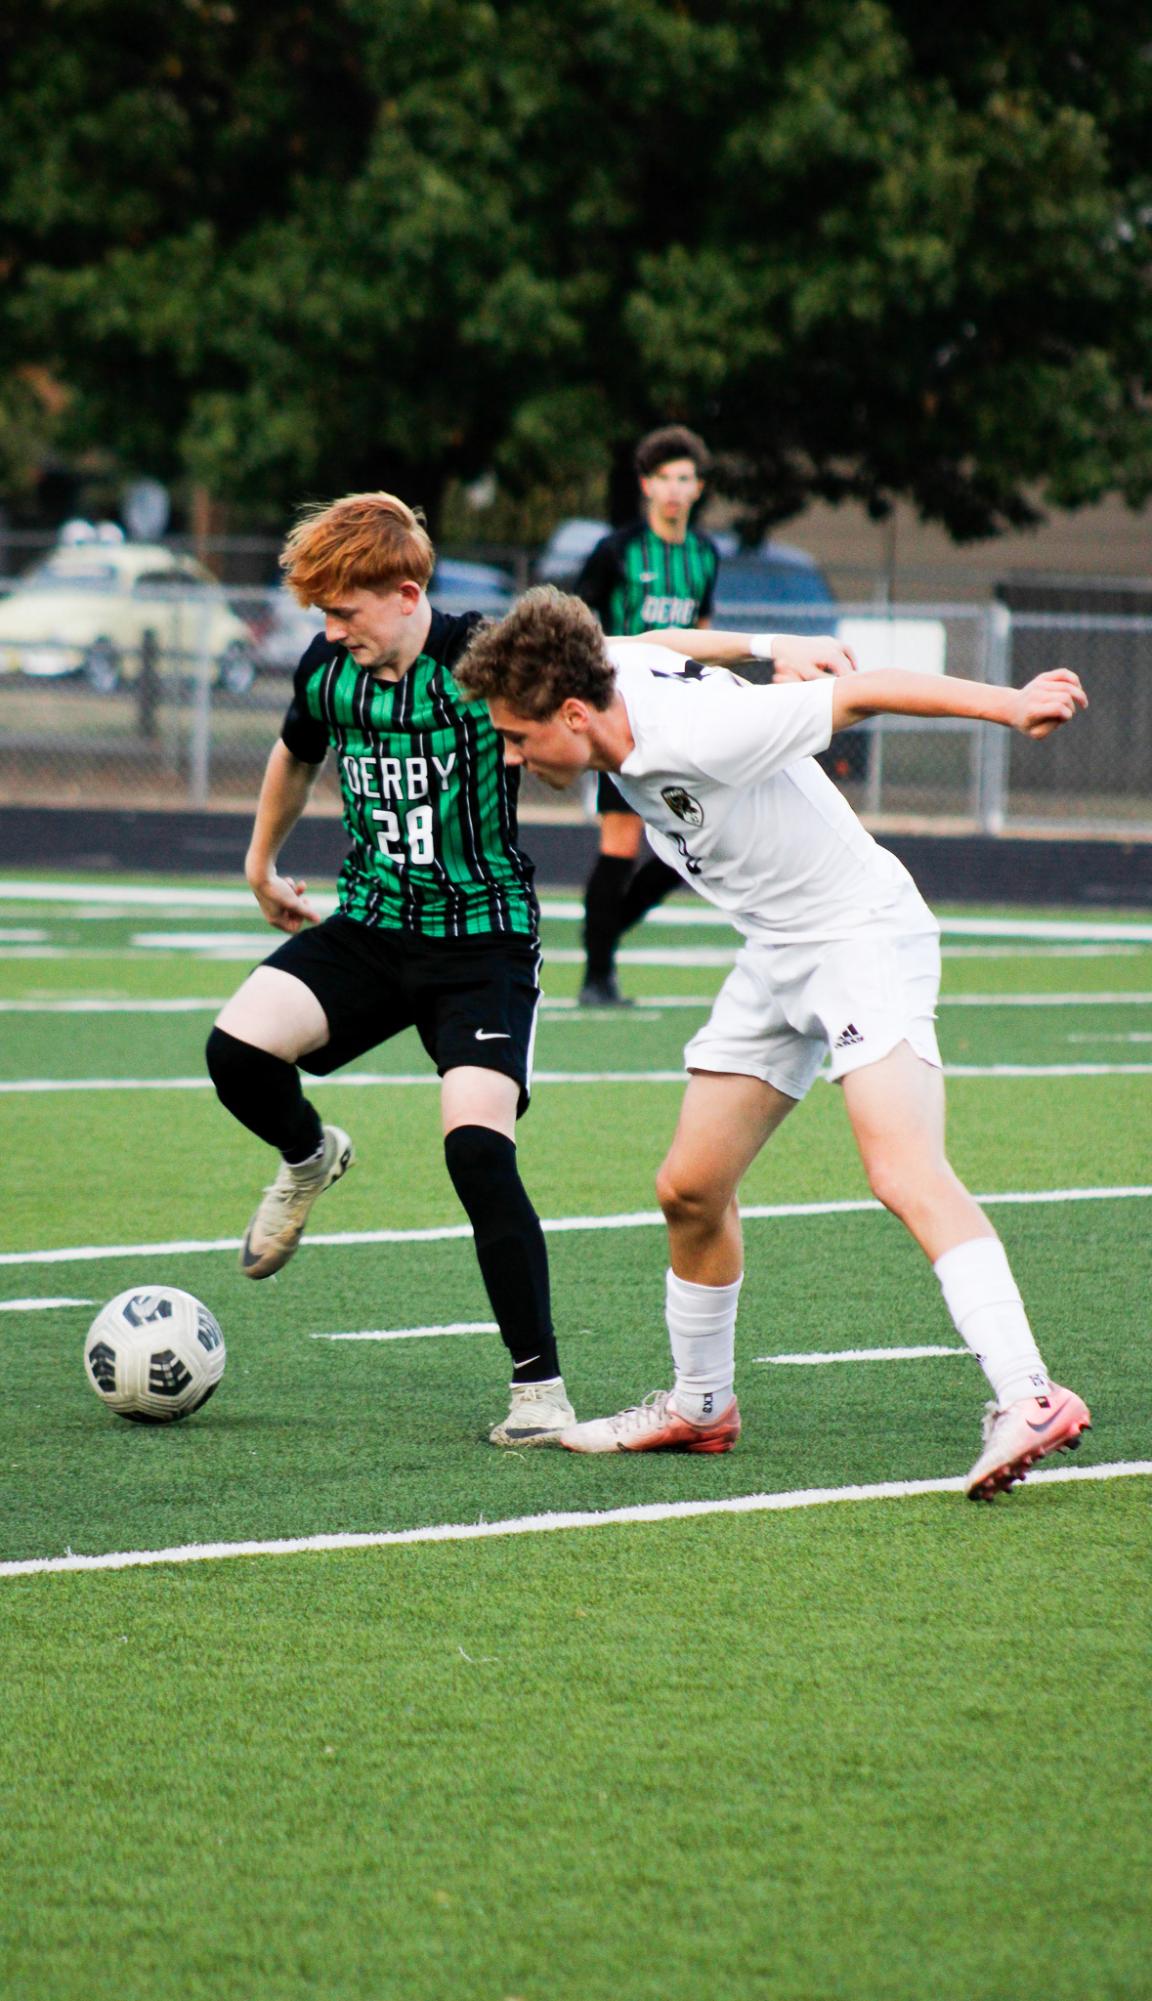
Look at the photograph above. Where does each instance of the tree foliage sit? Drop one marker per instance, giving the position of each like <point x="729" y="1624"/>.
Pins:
<point x="867" y="248"/>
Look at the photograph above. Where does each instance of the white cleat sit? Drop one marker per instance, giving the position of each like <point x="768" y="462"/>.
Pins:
<point x="655" y="1426"/>
<point x="278" y="1225"/>
<point x="537" y="1415"/>
<point x="1028" y="1430"/>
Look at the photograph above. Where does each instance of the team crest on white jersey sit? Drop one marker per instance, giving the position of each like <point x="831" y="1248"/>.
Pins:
<point x="681" y="803"/>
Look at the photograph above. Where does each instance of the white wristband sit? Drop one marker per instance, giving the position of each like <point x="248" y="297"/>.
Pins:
<point x="762" y="646"/>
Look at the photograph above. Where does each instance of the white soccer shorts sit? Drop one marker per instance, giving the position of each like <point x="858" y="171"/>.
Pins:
<point x="785" y="1008"/>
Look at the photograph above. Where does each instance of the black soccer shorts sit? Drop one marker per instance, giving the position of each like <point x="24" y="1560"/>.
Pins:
<point x="471" y="1000"/>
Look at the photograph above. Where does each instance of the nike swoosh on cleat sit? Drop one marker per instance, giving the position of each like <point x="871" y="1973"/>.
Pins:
<point x="492" y="1035"/>
<point x="1047" y="1421"/>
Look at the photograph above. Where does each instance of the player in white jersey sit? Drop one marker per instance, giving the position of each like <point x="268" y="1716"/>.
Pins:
<point x="840" y="960"/>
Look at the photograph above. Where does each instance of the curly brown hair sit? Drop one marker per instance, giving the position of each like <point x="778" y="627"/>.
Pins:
<point x="547" y="648"/>
<point x="366" y="541"/>
<point x="672" y="441"/>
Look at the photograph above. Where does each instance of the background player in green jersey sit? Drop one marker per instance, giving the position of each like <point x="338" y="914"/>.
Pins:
<point x="436" y="927"/>
<point x="656" y="573"/>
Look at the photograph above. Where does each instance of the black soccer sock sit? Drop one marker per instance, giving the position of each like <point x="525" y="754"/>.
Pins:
<point x="263" y="1092"/>
<point x="510" y="1246"/>
<point x="602" y="900"/>
<point x="648" y="887"/>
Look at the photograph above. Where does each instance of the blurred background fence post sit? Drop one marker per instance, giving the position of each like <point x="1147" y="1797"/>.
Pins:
<point x="200" y="737"/>
<point x="148" y="685"/>
<point x="990" y="745"/>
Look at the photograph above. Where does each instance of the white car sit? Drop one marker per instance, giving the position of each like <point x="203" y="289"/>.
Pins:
<point x="86" y="608"/>
<point x="564" y="553"/>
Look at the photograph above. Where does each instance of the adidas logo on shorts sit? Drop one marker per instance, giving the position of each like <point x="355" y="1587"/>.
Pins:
<point x="847" y="1037"/>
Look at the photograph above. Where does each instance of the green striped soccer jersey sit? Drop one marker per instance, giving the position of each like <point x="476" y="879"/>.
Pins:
<point x="635" y="581"/>
<point x="428" y="801"/>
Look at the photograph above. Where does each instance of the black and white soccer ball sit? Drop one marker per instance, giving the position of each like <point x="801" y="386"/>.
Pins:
<point x="154" y="1354"/>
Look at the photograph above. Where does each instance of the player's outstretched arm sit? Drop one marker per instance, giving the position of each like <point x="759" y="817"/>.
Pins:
<point x="1036" y="710"/>
<point x="795" y="658"/>
<point x="283" y="797"/>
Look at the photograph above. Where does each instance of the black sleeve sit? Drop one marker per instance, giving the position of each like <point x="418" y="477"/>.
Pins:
<point x="448" y="637"/>
<point x="300" y="732"/>
<point x="599" y="578"/>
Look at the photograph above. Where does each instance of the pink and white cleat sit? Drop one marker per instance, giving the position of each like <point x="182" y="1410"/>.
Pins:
<point x="1015" y="1438"/>
<point x="654" y="1426"/>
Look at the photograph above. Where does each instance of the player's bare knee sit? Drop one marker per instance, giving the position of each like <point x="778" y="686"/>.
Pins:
<point x="891" y="1183"/>
<point x="684" y="1200"/>
<point x="910" y="1189"/>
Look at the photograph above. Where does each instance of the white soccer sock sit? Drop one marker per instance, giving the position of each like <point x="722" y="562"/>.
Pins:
<point x="702" y="1330"/>
<point x="983" y="1298"/>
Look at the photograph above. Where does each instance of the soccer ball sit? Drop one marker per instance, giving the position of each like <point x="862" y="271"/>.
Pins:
<point x="154" y="1354"/>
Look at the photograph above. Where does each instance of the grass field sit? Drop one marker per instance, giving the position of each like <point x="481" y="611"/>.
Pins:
<point x="808" y="1742"/>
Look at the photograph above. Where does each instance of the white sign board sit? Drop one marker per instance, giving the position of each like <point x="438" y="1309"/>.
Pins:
<point x="917" y="645"/>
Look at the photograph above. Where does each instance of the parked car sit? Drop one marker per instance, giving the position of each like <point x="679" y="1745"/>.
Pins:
<point x="85" y="610"/>
<point x="285" y="629"/>
<point x="458" y="586"/>
<point x="564" y="553"/>
<point x="774" y="577"/>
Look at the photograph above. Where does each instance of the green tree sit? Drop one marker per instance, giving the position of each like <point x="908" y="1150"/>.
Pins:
<point x="868" y="248"/>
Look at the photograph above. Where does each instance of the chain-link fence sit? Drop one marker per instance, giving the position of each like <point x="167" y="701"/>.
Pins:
<point x="178" y="704"/>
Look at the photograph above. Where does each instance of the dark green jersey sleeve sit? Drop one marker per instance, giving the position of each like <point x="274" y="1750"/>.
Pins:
<point x="602" y="574"/>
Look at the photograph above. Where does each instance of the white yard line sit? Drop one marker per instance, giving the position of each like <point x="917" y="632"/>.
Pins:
<point x="645" y="1004"/>
<point x="138" y="896"/>
<point x="399" y="1080"/>
<point x="995" y="1070"/>
<point x="560" y="909"/>
<point x="656" y="1511"/>
<point x="1101" y="1037"/>
<point x="861" y="1355"/>
<point x="38" y="1305"/>
<point x="243" y="948"/>
<point x="1109" y="999"/>
<point x="490" y="1327"/>
<point x="415" y="1333"/>
<point x="417" y="1080"/>
<point x="639" y="1219"/>
<point x="1026" y="951"/>
<point x="188" y="1006"/>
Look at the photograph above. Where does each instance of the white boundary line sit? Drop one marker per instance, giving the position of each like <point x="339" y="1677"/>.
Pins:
<point x="638" y="1219"/>
<point x="418" y="1333"/>
<point x="861" y="1355"/>
<point x="667" y="956"/>
<point x="662" y="1511"/>
<point x="489" y="1327"/>
<point x="427" y="1080"/>
<point x="39" y="1305"/>
<point x="645" y="1004"/>
<point x="558" y="909"/>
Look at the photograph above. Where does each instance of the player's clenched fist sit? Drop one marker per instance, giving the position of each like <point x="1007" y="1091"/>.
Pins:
<point x="283" y="902"/>
<point x="1048" y="701"/>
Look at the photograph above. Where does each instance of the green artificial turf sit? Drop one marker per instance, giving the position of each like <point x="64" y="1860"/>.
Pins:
<point x="881" y="1751"/>
<point x="868" y="1752"/>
